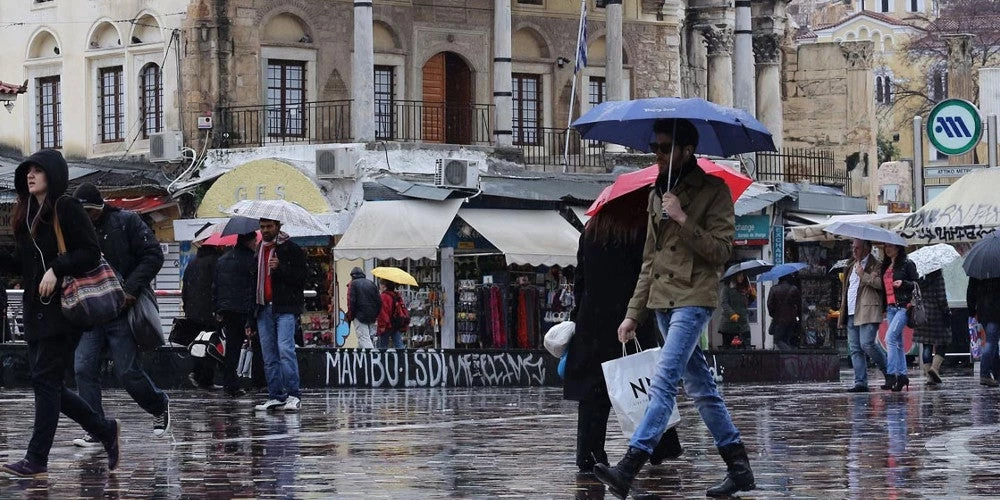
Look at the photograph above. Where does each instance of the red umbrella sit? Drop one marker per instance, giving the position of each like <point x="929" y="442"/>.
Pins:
<point x="218" y="240"/>
<point x="633" y="181"/>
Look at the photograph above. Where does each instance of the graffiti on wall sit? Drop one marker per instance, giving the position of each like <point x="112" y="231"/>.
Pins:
<point x="434" y="368"/>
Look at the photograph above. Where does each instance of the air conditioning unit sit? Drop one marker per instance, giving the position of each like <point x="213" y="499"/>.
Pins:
<point x="336" y="163"/>
<point x="166" y="146"/>
<point x="463" y="174"/>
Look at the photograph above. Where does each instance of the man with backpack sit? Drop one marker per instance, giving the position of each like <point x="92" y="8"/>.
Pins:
<point x="363" y="307"/>
<point x="393" y="319"/>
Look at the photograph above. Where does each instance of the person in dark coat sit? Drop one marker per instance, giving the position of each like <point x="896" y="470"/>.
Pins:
<point x="608" y="262"/>
<point x="899" y="275"/>
<point x="983" y="301"/>
<point x="734" y="326"/>
<point x="363" y="307"/>
<point x="132" y="250"/>
<point x="233" y="289"/>
<point x="196" y="296"/>
<point x="784" y="305"/>
<point x="41" y="183"/>
<point x="936" y="334"/>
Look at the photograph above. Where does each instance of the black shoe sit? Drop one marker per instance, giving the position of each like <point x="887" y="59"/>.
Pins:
<point x="619" y="478"/>
<point x="238" y="393"/>
<point x="739" y="476"/>
<point x="586" y="465"/>
<point x="111" y="444"/>
<point x="901" y="381"/>
<point x="890" y="380"/>
<point x="669" y="447"/>
<point x="988" y="382"/>
<point x="858" y="388"/>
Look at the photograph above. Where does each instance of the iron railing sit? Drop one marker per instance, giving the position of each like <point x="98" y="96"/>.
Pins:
<point x="320" y="122"/>
<point x="544" y="147"/>
<point x="816" y="166"/>
<point x="441" y="122"/>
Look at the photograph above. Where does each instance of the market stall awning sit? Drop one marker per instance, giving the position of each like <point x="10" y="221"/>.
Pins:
<point x="410" y="229"/>
<point x="965" y="212"/>
<point x="141" y="204"/>
<point x="535" y="237"/>
<point x="756" y="198"/>
<point x="814" y="232"/>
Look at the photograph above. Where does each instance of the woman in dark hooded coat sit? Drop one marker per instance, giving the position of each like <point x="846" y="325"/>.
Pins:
<point x="608" y="262"/>
<point x="41" y="182"/>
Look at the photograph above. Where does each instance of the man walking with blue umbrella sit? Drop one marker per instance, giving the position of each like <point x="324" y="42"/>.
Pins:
<point x="689" y="240"/>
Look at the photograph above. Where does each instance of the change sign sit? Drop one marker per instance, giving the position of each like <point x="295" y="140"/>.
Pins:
<point x="954" y="126"/>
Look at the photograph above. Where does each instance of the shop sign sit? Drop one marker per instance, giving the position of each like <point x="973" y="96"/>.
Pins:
<point x="752" y="230"/>
<point x="778" y="244"/>
<point x="939" y="172"/>
<point x="262" y="180"/>
<point x="954" y="126"/>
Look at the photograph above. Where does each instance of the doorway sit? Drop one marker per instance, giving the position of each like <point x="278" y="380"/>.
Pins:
<point x="447" y="95"/>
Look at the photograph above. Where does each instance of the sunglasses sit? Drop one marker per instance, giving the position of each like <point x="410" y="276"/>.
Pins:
<point x="662" y="147"/>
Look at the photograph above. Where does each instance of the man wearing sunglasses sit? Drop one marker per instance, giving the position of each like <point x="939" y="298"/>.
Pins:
<point x="689" y="240"/>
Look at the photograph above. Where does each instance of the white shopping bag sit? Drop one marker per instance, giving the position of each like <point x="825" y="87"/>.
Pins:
<point x="629" y="378"/>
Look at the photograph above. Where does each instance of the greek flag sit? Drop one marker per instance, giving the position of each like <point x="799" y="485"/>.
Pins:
<point x="581" y="42"/>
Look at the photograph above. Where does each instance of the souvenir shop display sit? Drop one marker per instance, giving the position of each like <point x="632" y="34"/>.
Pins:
<point x="424" y="302"/>
<point x="467" y="325"/>
<point x="316" y="324"/>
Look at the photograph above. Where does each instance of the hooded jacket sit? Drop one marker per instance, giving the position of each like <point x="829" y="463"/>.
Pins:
<point x="363" y="301"/>
<point x="196" y="294"/>
<point x="38" y="252"/>
<point x="131" y="248"/>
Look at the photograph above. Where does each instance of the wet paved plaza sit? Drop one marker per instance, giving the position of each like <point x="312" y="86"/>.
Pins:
<point x="806" y="441"/>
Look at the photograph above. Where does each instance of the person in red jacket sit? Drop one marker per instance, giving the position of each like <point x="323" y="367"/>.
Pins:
<point x="385" y="328"/>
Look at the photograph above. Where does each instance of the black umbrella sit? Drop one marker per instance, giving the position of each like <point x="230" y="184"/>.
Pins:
<point x="750" y="268"/>
<point x="240" y="225"/>
<point x="983" y="260"/>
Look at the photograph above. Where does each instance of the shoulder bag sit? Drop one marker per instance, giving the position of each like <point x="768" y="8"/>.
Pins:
<point x="93" y="298"/>
<point x="916" y="316"/>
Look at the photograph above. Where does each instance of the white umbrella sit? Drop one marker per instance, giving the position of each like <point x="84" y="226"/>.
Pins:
<point x="288" y="213"/>
<point x="933" y="258"/>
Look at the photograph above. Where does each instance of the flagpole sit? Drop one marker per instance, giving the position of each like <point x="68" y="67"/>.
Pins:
<point x="572" y="96"/>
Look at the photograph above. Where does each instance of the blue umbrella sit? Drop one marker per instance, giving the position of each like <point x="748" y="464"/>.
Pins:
<point x="983" y="260"/>
<point x="781" y="271"/>
<point x="722" y="131"/>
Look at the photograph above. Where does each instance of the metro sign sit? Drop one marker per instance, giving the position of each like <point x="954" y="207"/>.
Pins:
<point x="954" y="126"/>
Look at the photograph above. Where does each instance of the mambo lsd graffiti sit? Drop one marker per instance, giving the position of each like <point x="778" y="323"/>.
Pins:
<point x="952" y="223"/>
<point x="435" y="368"/>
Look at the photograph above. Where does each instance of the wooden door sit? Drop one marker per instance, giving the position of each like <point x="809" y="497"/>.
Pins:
<point x="459" y="97"/>
<point x="434" y="99"/>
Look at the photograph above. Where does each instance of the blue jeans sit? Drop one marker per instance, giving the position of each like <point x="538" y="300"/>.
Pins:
<point x="681" y="357"/>
<point x="115" y="338"/>
<point x="397" y="340"/>
<point x="988" y="358"/>
<point x="861" y="341"/>
<point x="896" y="357"/>
<point x="277" y="344"/>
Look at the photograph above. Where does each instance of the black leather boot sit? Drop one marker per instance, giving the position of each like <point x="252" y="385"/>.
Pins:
<point x="668" y="448"/>
<point x="739" y="477"/>
<point x="619" y="478"/>
<point x="890" y="380"/>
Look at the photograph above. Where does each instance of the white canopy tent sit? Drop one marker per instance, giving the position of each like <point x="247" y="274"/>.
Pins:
<point x="407" y="229"/>
<point x="535" y="237"/>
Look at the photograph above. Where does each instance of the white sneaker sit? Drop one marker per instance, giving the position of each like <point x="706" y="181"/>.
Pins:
<point x="292" y="404"/>
<point x="87" y="441"/>
<point x="270" y="404"/>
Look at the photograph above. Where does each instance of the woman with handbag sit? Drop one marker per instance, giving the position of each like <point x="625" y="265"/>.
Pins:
<point x="737" y="294"/>
<point x="899" y="275"/>
<point x="41" y="182"/>
<point x="608" y="262"/>
<point x="935" y="334"/>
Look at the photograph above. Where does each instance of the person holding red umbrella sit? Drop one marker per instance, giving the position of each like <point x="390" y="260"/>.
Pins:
<point x="689" y="239"/>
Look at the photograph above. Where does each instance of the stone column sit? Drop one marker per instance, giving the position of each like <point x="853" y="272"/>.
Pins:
<point x="744" y="94"/>
<point x="613" y="71"/>
<point x="767" y="52"/>
<point x="719" y="41"/>
<point x="503" y="97"/>
<point x="960" y="83"/>
<point x="861" y="120"/>
<point x="363" y="74"/>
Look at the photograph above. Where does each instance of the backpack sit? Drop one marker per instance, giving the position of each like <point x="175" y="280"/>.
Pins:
<point x="399" y="317"/>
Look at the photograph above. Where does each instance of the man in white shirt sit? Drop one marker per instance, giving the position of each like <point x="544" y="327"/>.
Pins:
<point x="861" y="311"/>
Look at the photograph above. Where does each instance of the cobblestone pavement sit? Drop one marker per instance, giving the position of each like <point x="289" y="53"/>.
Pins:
<point x="806" y="441"/>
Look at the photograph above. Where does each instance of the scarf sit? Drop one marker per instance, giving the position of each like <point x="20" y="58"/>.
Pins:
<point x="262" y="271"/>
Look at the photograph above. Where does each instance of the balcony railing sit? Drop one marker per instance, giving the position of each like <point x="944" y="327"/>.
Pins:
<point x="544" y="146"/>
<point x="321" y="122"/>
<point x="439" y="122"/>
<point x="816" y="166"/>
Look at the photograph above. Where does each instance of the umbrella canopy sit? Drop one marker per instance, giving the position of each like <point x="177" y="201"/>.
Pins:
<point x="750" y="268"/>
<point x="983" y="260"/>
<point x="782" y="270"/>
<point x="240" y="225"/>
<point x="288" y="213"/>
<point x="867" y="232"/>
<point x="395" y="275"/>
<point x="221" y="240"/>
<point x="634" y="181"/>
<point x="840" y="264"/>
<point x="722" y="131"/>
<point x="967" y="211"/>
<point x="933" y="258"/>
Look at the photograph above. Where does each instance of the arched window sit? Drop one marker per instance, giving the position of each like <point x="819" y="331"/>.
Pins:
<point x="883" y="86"/>
<point x="151" y="99"/>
